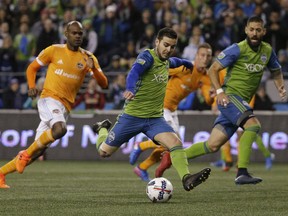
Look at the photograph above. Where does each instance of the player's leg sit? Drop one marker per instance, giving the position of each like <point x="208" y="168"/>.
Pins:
<point x="226" y="156"/>
<point x="251" y="129"/>
<point x="154" y="157"/>
<point x="139" y="148"/>
<point x="164" y="164"/>
<point x="53" y="115"/>
<point x="269" y="157"/>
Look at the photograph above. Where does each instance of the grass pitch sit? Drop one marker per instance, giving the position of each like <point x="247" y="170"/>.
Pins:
<point x="111" y="188"/>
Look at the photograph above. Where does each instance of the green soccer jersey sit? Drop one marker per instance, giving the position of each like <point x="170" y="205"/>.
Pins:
<point x="245" y="68"/>
<point x="151" y="87"/>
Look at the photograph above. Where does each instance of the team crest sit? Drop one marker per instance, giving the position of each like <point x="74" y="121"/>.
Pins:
<point x="80" y="65"/>
<point x="263" y="58"/>
<point x="221" y="55"/>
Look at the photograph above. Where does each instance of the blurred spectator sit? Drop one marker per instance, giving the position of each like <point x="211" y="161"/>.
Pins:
<point x="90" y="40"/>
<point x="47" y="37"/>
<point x="146" y="41"/>
<point x="128" y="55"/>
<point x="116" y="91"/>
<point x="115" y="65"/>
<point x="248" y="7"/>
<point x="275" y="35"/>
<point x="5" y="29"/>
<point x="140" y="25"/>
<point x="93" y="97"/>
<point x="189" y="51"/>
<point x="183" y="38"/>
<point x="262" y="100"/>
<point x="227" y="32"/>
<point x="11" y="97"/>
<point x="25" y="45"/>
<point x="38" y="26"/>
<point x="7" y="61"/>
<point x="32" y="103"/>
<point x="283" y="60"/>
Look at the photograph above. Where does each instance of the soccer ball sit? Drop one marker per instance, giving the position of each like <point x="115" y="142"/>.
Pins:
<point x="159" y="190"/>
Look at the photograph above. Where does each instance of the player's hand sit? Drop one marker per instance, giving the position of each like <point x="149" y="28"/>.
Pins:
<point x="90" y="62"/>
<point x="222" y="99"/>
<point x="283" y="94"/>
<point x="33" y="92"/>
<point x="128" y="95"/>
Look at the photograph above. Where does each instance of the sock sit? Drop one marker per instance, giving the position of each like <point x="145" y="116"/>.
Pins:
<point x="242" y="171"/>
<point x="179" y="160"/>
<point x="102" y="135"/>
<point x="40" y="143"/>
<point x="197" y="149"/>
<point x="245" y="145"/>
<point x="147" y="145"/>
<point x="8" y="167"/>
<point x="153" y="158"/>
<point x="226" y="153"/>
<point x="261" y="147"/>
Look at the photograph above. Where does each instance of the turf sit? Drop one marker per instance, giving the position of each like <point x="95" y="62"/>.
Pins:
<point x="111" y="188"/>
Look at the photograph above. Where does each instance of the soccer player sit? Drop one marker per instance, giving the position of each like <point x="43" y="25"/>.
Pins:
<point x="245" y="63"/>
<point x="182" y="82"/>
<point x="143" y="110"/>
<point x="68" y="65"/>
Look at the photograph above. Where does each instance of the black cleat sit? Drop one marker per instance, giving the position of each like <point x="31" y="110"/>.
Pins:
<point x="190" y="181"/>
<point x="247" y="179"/>
<point x="104" y="124"/>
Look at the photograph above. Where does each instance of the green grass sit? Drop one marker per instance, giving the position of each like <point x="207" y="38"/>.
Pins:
<point x="111" y="188"/>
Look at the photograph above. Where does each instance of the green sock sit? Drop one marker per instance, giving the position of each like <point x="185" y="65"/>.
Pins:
<point x="197" y="149"/>
<point x="245" y="145"/>
<point x="102" y="135"/>
<point x="261" y="147"/>
<point x="179" y="160"/>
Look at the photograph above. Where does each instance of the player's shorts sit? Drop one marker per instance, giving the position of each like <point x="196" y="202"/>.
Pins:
<point x="172" y="119"/>
<point x="234" y="115"/>
<point x="50" y="112"/>
<point x="128" y="126"/>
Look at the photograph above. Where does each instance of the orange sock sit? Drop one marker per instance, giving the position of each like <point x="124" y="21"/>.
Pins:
<point x="8" y="167"/>
<point x="226" y="150"/>
<point x="147" y="145"/>
<point x="45" y="139"/>
<point x="153" y="158"/>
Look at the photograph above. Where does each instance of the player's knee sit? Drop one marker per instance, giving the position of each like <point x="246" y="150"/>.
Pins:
<point x="213" y="146"/>
<point x="103" y="153"/>
<point x="58" y="131"/>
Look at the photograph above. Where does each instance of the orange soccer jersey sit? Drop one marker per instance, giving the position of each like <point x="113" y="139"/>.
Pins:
<point x="65" y="74"/>
<point x="183" y="81"/>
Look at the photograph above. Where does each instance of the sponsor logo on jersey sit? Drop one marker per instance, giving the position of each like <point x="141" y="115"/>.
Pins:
<point x="141" y="61"/>
<point x="111" y="136"/>
<point x="254" y="67"/>
<point x="160" y="78"/>
<point x="221" y="55"/>
<point x="61" y="72"/>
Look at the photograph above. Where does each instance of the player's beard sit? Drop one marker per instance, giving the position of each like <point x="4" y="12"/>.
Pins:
<point x="254" y="45"/>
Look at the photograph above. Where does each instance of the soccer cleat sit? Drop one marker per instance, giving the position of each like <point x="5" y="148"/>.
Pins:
<point x="269" y="161"/>
<point x="143" y="174"/>
<point x="190" y="181"/>
<point x="2" y="182"/>
<point x="22" y="159"/>
<point x="134" y="154"/>
<point x="247" y="179"/>
<point x="104" y="124"/>
<point x="165" y="164"/>
<point x="218" y="163"/>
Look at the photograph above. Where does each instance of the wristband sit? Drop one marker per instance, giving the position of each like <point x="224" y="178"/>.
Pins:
<point x="219" y="91"/>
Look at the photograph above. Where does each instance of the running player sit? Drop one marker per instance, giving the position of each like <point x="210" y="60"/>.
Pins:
<point x="143" y="110"/>
<point x="68" y="65"/>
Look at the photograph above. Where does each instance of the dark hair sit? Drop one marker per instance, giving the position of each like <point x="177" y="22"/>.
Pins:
<point x="255" y="19"/>
<point x="167" y="32"/>
<point x="205" y="45"/>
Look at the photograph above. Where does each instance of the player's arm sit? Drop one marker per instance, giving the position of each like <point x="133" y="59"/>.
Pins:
<point x="143" y="62"/>
<point x="277" y="76"/>
<point x="175" y="62"/>
<point x="180" y="70"/>
<point x="31" y="78"/>
<point x="98" y="74"/>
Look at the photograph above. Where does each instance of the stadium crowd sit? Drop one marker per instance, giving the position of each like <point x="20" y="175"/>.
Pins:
<point x="116" y="31"/>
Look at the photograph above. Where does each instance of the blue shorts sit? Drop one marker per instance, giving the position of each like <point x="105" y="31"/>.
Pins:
<point x="128" y="126"/>
<point x="234" y="115"/>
